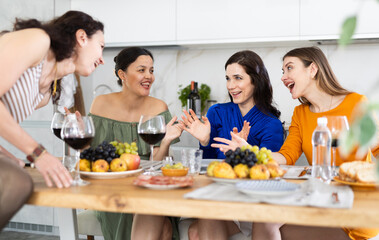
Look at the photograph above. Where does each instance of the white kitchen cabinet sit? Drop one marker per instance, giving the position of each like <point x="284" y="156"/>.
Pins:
<point x="129" y="22"/>
<point x="229" y="21"/>
<point x="323" y="19"/>
<point x="24" y="9"/>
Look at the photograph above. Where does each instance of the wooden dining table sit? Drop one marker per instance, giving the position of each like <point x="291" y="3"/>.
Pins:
<point x="120" y="195"/>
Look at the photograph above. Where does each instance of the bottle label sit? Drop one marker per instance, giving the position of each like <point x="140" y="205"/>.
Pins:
<point x="195" y="105"/>
<point x="198" y="107"/>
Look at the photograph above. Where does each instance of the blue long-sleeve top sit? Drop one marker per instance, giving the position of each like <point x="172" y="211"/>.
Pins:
<point x="266" y="131"/>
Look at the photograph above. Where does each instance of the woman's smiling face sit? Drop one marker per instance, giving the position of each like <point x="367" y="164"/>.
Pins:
<point x="239" y="85"/>
<point x="139" y="76"/>
<point x="296" y="77"/>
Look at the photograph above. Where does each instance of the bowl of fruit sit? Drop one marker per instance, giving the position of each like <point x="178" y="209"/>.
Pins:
<point x="175" y="170"/>
<point x="248" y="162"/>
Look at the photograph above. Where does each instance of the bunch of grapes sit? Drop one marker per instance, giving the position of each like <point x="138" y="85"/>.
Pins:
<point x="246" y="157"/>
<point x="125" y="147"/>
<point x="249" y="155"/>
<point x="104" y="151"/>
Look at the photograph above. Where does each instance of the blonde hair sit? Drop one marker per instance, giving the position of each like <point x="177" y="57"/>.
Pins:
<point x="325" y="78"/>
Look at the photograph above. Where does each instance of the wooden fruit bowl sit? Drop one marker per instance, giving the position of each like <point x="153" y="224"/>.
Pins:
<point x="174" y="172"/>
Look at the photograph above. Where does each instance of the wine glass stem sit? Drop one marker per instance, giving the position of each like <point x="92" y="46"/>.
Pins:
<point x="77" y="160"/>
<point x="151" y="152"/>
<point x="334" y="162"/>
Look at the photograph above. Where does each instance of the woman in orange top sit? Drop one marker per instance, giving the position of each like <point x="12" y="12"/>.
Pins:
<point x="309" y="77"/>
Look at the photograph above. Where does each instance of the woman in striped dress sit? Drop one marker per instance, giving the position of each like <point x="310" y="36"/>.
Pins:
<point x="32" y="58"/>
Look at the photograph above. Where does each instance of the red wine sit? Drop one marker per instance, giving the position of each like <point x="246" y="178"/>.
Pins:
<point x="152" y="138"/>
<point x="78" y="143"/>
<point x="57" y="132"/>
<point x="335" y="142"/>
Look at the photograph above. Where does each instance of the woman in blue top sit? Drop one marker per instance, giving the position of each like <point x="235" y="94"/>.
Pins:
<point x="250" y="92"/>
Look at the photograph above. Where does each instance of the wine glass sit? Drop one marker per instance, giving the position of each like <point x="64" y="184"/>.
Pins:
<point x="78" y="132"/>
<point x="151" y="129"/>
<point x="57" y="123"/>
<point x="56" y="127"/>
<point x="336" y="125"/>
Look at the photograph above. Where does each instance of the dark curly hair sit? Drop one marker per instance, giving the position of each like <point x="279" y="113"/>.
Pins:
<point x="62" y="30"/>
<point x="257" y="71"/>
<point x="126" y="57"/>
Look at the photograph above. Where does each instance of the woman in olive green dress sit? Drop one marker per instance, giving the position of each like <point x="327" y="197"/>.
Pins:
<point x="116" y="116"/>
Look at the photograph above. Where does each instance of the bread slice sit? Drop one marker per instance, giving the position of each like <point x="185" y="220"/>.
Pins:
<point x="348" y="171"/>
<point x="367" y="175"/>
<point x="344" y="168"/>
<point x="352" y="171"/>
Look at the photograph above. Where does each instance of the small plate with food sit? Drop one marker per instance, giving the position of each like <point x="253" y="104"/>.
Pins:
<point x="163" y="182"/>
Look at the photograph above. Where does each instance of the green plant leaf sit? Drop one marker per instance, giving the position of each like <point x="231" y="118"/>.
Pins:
<point x="204" y="92"/>
<point x="367" y="131"/>
<point x="347" y="142"/>
<point x="348" y="29"/>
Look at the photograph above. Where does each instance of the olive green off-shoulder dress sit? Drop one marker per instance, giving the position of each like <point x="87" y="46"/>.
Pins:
<point x="118" y="226"/>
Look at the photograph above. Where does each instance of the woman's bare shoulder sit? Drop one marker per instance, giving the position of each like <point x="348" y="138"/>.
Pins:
<point x="31" y="41"/>
<point x="103" y="102"/>
<point x="156" y="105"/>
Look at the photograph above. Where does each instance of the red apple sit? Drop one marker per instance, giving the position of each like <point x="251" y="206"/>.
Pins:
<point x="132" y="160"/>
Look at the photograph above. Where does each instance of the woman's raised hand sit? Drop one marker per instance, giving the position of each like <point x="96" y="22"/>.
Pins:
<point x="244" y="131"/>
<point x="52" y="170"/>
<point x="192" y="124"/>
<point x="236" y="142"/>
<point x="173" y="130"/>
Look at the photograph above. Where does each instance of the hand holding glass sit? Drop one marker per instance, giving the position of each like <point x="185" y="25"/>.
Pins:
<point x="78" y="133"/>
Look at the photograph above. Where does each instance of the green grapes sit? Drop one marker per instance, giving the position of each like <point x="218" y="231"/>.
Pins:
<point x="125" y="147"/>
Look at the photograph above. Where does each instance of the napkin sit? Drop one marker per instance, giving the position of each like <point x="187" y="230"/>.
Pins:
<point x="312" y="192"/>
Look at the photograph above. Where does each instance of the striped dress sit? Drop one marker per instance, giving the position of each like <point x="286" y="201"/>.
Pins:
<point x="24" y="96"/>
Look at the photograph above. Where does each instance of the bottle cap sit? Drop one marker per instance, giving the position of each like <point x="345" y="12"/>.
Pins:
<point x="322" y="121"/>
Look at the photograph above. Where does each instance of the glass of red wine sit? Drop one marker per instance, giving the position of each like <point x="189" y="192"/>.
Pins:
<point x="78" y="132"/>
<point x="151" y="129"/>
<point x="336" y="125"/>
<point x="56" y="127"/>
<point x="57" y="123"/>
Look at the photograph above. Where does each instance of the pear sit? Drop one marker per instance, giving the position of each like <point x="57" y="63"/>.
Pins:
<point x="275" y="170"/>
<point x="224" y="170"/>
<point x="259" y="172"/>
<point x="100" y="165"/>
<point x="211" y="167"/>
<point x="85" y="165"/>
<point x="118" y="165"/>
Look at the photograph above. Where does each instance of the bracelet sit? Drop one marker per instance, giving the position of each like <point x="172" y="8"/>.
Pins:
<point x="37" y="152"/>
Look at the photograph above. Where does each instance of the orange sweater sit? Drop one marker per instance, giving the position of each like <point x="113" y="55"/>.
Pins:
<point x="304" y="122"/>
<point x="299" y="140"/>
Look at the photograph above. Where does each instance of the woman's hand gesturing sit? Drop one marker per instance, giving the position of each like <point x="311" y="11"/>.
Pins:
<point x="192" y="124"/>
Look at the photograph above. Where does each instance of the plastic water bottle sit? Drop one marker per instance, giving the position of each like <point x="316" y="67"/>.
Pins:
<point x="321" y="142"/>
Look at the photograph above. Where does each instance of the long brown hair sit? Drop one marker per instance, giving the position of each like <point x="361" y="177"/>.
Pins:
<point x="254" y="67"/>
<point x="325" y="78"/>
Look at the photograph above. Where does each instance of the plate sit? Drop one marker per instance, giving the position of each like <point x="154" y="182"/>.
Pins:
<point x="160" y="187"/>
<point x="110" y="175"/>
<point x="267" y="187"/>
<point x="236" y="180"/>
<point x="227" y="180"/>
<point x="355" y="184"/>
<point x="163" y="182"/>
